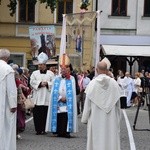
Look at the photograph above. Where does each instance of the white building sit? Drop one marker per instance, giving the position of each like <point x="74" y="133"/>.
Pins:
<point x="125" y="24"/>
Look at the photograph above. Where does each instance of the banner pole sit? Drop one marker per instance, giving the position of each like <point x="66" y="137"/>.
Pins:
<point x="63" y="39"/>
<point x="97" y="53"/>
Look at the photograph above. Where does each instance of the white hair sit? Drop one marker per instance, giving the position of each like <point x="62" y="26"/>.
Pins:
<point x="25" y="70"/>
<point x="15" y="66"/>
<point x="4" y="53"/>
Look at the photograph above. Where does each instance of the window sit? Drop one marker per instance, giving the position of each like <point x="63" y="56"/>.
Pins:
<point x="147" y="8"/>
<point x="64" y="7"/>
<point x="26" y="11"/>
<point x="119" y="7"/>
<point x="17" y="59"/>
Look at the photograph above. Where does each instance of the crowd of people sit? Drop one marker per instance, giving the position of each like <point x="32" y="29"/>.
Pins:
<point x="59" y="99"/>
<point x="132" y="87"/>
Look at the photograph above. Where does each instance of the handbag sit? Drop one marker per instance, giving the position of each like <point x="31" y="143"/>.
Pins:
<point x="28" y="103"/>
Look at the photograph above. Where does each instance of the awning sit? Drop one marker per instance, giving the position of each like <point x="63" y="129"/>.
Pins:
<point x="119" y="50"/>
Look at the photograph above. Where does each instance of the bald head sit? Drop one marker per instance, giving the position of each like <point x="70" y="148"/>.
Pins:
<point x="102" y="68"/>
<point x="127" y="74"/>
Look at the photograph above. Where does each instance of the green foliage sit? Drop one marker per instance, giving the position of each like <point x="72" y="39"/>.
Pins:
<point x="84" y="4"/>
<point x="12" y="7"/>
<point x="49" y="3"/>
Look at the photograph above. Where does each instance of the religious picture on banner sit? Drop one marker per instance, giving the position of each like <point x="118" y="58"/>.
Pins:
<point x="78" y="42"/>
<point x="42" y="40"/>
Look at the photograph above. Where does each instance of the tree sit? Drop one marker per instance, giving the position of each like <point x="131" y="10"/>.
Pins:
<point x="49" y="3"/>
<point x="84" y="4"/>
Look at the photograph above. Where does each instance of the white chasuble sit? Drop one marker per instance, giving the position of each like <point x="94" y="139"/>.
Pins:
<point x="8" y="100"/>
<point x="102" y="114"/>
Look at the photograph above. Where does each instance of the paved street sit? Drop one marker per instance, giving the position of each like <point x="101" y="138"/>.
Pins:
<point x="141" y="139"/>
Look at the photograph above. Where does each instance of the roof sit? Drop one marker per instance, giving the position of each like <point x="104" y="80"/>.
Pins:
<point x="119" y="50"/>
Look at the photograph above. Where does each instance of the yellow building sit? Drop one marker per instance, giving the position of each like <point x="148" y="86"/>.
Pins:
<point x="14" y="30"/>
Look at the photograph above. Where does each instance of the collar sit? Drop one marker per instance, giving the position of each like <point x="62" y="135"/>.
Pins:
<point x="101" y="92"/>
<point x="122" y="77"/>
<point x="63" y="76"/>
<point x="67" y="76"/>
<point x="43" y="71"/>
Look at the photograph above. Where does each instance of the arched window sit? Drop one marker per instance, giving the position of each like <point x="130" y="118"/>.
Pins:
<point x="64" y="7"/>
<point x="26" y="11"/>
<point x="119" y="7"/>
<point x="147" y="8"/>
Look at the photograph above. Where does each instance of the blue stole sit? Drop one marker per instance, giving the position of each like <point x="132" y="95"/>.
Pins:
<point x="69" y="103"/>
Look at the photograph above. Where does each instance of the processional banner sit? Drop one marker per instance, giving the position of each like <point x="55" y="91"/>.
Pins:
<point x="80" y="39"/>
<point x="42" y="40"/>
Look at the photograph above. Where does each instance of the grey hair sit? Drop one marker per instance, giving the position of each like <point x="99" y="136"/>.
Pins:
<point x="15" y="66"/>
<point x="4" y="53"/>
<point x="25" y="70"/>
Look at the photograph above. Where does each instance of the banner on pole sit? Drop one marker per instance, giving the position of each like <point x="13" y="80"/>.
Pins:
<point x="42" y="40"/>
<point x="81" y="38"/>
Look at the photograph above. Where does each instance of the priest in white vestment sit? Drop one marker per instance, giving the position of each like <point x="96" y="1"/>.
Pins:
<point x="41" y="81"/>
<point x="123" y="86"/>
<point x="102" y="111"/>
<point x="130" y="84"/>
<point x="8" y="103"/>
<point x="62" y="112"/>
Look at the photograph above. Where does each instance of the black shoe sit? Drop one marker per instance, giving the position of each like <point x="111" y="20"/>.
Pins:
<point x="67" y="136"/>
<point x="128" y="106"/>
<point x="28" y="114"/>
<point x="60" y="135"/>
<point x="38" y="133"/>
<point x="44" y="133"/>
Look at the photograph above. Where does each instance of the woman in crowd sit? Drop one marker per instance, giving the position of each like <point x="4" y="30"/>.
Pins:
<point x="137" y="88"/>
<point x="23" y="91"/>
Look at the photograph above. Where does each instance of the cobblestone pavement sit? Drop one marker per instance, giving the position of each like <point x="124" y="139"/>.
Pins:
<point x="31" y="141"/>
<point x="141" y="134"/>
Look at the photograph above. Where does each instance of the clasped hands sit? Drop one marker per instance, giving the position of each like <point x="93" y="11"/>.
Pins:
<point x="63" y="99"/>
<point x="13" y="110"/>
<point x="44" y="84"/>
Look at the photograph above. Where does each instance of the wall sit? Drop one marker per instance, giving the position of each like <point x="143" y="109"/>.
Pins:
<point x="15" y="35"/>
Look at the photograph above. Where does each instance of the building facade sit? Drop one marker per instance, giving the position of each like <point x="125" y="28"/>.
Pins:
<point x="122" y="23"/>
<point x="14" y="30"/>
<point x="125" y="23"/>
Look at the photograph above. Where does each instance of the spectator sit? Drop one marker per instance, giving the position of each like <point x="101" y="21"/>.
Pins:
<point x="137" y="88"/>
<point x="84" y="83"/>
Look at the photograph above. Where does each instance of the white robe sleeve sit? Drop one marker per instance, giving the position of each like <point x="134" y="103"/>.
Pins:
<point x="74" y="105"/>
<point x="34" y="82"/>
<point x="86" y="110"/>
<point x="50" y="83"/>
<point x="11" y="90"/>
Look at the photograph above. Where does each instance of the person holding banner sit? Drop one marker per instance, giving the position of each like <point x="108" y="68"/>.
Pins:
<point x="62" y="112"/>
